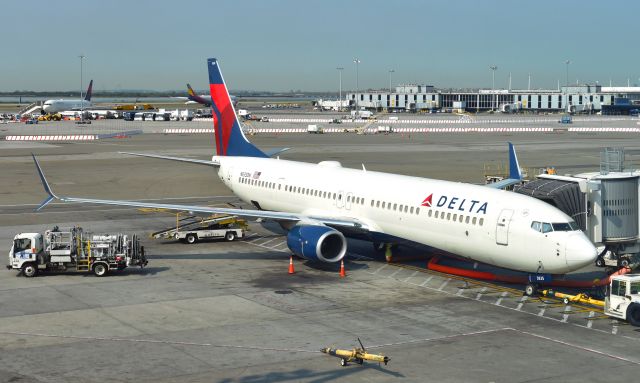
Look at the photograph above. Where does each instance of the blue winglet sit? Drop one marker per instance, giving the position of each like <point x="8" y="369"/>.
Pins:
<point x="45" y="184"/>
<point x="514" y="167"/>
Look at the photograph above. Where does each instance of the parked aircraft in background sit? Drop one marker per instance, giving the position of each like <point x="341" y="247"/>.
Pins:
<point x="55" y="106"/>
<point x="322" y="204"/>
<point x="194" y="98"/>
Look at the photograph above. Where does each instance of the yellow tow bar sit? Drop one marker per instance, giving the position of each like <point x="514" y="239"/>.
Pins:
<point x="568" y="298"/>
<point x="358" y="355"/>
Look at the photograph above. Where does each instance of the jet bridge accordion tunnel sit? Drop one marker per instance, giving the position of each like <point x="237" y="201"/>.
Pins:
<point x="605" y="206"/>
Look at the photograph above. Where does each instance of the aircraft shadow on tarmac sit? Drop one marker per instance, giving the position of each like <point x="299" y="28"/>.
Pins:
<point x="312" y="376"/>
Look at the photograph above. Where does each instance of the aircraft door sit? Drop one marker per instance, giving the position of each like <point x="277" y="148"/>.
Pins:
<point x="502" y="227"/>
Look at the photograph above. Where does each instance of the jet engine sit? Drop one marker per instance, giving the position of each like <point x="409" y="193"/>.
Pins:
<point x="317" y="243"/>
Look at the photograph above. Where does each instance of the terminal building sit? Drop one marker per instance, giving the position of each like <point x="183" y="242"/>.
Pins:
<point x="571" y="99"/>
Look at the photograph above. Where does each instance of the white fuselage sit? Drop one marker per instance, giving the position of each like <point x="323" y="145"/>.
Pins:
<point x="55" y="106"/>
<point x="471" y="221"/>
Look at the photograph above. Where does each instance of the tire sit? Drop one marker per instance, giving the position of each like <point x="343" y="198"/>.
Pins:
<point x="191" y="239"/>
<point x="230" y="236"/>
<point x="633" y="314"/>
<point x="624" y="262"/>
<point x="29" y="270"/>
<point x="566" y="301"/>
<point x="600" y="262"/>
<point x="530" y="289"/>
<point x="343" y="362"/>
<point x="100" y="269"/>
<point x="360" y="361"/>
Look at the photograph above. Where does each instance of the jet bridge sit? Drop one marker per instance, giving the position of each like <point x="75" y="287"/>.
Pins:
<point x="604" y="204"/>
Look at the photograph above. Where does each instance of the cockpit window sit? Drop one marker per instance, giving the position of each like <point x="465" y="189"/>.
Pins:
<point x="546" y="227"/>
<point x="565" y="226"/>
<point x="537" y="226"/>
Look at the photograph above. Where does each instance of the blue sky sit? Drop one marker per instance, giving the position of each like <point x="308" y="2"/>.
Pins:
<point x="282" y="45"/>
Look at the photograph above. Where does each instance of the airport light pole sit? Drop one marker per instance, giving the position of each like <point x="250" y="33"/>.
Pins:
<point x="340" y="88"/>
<point x="82" y="57"/>
<point x="390" y="72"/>
<point x="493" y="68"/>
<point x="357" y="61"/>
<point x="566" y="89"/>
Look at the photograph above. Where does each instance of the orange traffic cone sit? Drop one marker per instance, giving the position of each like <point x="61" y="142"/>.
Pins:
<point x="342" y="272"/>
<point x="291" y="270"/>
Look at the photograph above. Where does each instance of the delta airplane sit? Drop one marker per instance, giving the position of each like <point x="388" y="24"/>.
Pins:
<point x="55" y="106"/>
<point x="322" y="204"/>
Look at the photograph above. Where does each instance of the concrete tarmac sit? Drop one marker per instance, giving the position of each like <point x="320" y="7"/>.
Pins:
<point x="229" y="312"/>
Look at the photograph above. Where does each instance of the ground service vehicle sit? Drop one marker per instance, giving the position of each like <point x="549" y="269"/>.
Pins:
<point x="74" y="249"/>
<point x="314" y="129"/>
<point x="623" y="298"/>
<point x="192" y="229"/>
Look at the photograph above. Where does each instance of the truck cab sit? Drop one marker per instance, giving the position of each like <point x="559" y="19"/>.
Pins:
<point x="623" y="298"/>
<point x="26" y="253"/>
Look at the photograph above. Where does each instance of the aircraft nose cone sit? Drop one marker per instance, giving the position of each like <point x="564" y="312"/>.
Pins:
<point x="580" y="251"/>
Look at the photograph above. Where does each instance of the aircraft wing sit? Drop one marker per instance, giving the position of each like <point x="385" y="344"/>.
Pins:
<point x="265" y="214"/>
<point x="180" y="159"/>
<point x="504" y="183"/>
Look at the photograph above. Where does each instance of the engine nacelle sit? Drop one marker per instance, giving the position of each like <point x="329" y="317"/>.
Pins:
<point x="317" y="243"/>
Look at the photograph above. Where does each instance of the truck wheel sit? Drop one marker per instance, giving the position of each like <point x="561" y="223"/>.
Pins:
<point x="29" y="270"/>
<point x="99" y="269"/>
<point x="191" y="238"/>
<point x="230" y="236"/>
<point x="343" y="362"/>
<point x="633" y="314"/>
<point x="600" y="262"/>
<point x="624" y="262"/>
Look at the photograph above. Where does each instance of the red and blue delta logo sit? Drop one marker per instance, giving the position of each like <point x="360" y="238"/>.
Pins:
<point x="457" y="203"/>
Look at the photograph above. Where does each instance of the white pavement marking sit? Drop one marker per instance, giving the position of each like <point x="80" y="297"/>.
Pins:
<point x="565" y="316"/>
<point x="502" y="296"/>
<point x="484" y="289"/>
<point x="269" y="241"/>
<point x="518" y="308"/>
<point x="380" y="269"/>
<point x="394" y="273"/>
<point x="426" y="280"/>
<point x="411" y="276"/>
<point x="589" y="319"/>
<point x="587" y="349"/>
<point x="522" y="301"/>
<point x="542" y="310"/>
<point x="444" y="284"/>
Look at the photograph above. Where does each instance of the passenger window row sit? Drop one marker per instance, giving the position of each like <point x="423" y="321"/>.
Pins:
<point x="455" y="217"/>
<point x="259" y="183"/>
<point x="395" y="207"/>
<point x="323" y="194"/>
<point x="301" y="190"/>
